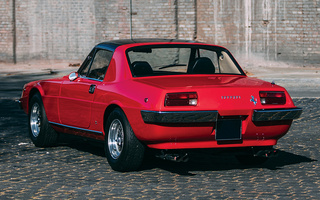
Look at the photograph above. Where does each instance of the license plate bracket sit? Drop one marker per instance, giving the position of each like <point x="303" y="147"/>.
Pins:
<point x="228" y="129"/>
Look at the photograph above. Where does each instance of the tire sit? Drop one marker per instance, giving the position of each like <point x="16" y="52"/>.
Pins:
<point x="40" y="131"/>
<point x="123" y="150"/>
<point x="251" y="160"/>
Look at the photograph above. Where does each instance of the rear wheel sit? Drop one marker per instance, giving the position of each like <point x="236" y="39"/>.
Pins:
<point x="40" y="131"/>
<point x="123" y="150"/>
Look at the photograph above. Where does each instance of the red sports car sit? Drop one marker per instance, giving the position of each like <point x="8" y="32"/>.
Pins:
<point x="167" y="95"/>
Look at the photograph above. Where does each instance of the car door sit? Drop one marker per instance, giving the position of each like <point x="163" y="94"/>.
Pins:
<point x="76" y="97"/>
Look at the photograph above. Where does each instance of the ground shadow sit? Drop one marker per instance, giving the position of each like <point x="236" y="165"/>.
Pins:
<point x="197" y="161"/>
<point x="207" y="162"/>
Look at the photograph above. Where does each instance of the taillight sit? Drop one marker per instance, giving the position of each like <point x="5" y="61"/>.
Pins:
<point x="181" y="99"/>
<point x="268" y="97"/>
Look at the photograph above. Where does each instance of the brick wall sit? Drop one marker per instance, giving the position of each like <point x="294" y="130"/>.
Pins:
<point x="6" y="35"/>
<point x="272" y="29"/>
<point x="286" y="30"/>
<point x="54" y="29"/>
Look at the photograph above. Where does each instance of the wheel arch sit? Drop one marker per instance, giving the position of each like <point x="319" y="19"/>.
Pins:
<point x="107" y="113"/>
<point x="33" y="92"/>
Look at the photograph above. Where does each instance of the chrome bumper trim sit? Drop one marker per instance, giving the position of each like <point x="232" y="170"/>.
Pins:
<point x="153" y="117"/>
<point x="276" y="114"/>
<point x="18" y="101"/>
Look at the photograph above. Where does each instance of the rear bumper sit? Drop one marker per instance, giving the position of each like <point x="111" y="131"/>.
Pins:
<point x="276" y="114"/>
<point x="156" y="117"/>
<point x="197" y="129"/>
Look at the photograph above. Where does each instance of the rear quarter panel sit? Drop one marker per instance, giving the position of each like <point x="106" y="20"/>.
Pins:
<point x="130" y="96"/>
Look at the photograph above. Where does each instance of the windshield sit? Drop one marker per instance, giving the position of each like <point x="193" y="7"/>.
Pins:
<point x="179" y="60"/>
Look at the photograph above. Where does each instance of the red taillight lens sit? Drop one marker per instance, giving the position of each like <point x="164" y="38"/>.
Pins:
<point x="278" y="98"/>
<point x="181" y="99"/>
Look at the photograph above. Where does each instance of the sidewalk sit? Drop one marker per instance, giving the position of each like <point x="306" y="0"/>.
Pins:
<point x="299" y="80"/>
<point x="39" y="67"/>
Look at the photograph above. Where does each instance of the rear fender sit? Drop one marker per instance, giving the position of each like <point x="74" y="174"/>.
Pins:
<point x="128" y="111"/>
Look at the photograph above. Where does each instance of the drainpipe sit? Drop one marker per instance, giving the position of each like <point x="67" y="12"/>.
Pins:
<point x="130" y="19"/>
<point x="176" y="18"/>
<point x="195" y="34"/>
<point x="14" y="32"/>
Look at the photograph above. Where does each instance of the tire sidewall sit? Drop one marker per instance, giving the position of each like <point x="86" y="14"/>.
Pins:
<point x="133" y="150"/>
<point x="40" y="140"/>
<point x="116" y="114"/>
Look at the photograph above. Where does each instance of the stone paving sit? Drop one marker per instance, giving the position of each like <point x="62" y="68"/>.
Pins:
<point x="77" y="170"/>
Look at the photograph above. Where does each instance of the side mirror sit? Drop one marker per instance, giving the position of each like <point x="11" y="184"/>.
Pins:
<point x="73" y="76"/>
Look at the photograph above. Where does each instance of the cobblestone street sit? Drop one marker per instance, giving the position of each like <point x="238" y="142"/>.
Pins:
<point x="102" y="47"/>
<point x="77" y="170"/>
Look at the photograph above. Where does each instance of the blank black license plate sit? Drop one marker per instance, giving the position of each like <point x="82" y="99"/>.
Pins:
<point x="228" y="129"/>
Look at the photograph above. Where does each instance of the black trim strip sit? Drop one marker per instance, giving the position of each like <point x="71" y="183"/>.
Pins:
<point x="179" y="116"/>
<point x="276" y="114"/>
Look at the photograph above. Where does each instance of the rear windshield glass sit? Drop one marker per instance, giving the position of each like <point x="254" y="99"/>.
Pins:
<point x="180" y="60"/>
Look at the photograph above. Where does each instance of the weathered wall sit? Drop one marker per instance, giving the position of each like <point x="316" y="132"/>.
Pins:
<point x="273" y="29"/>
<point x="6" y="26"/>
<point x="286" y="30"/>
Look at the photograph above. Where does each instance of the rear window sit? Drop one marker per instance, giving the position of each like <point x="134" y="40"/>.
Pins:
<point x="181" y="60"/>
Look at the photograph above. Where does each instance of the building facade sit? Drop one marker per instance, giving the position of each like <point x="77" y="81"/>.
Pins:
<point x="280" y="30"/>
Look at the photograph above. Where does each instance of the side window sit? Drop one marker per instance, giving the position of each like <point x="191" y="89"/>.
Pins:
<point x="100" y="64"/>
<point x="86" y="65"/>
<point x="213" y="57"/>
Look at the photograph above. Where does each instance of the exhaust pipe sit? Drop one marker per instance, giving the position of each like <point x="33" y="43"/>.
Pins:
<point x="175" y="157"/>
<point x="266" y="153"/>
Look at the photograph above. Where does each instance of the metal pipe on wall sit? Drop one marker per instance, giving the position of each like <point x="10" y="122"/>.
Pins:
<point x="176" y="18"/>
<point x="195" y="33"/>
<point x="14" y="32"/>
<point x="130" y="2"/>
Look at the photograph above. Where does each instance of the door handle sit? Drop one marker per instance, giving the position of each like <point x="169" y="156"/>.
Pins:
<point x="92" y="88"/>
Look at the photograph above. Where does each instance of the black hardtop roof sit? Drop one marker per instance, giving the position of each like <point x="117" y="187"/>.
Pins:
<point x="115" y="43"/>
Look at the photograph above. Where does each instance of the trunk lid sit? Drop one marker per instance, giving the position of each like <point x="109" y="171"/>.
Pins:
<point x="230" y="94"/>
<point x="202" y="81"/>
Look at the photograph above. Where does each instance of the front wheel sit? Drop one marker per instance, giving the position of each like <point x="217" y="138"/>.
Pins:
<point x="123" y="150"/>
<point x="40" y="131"/>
